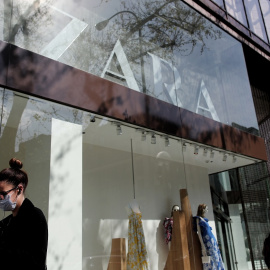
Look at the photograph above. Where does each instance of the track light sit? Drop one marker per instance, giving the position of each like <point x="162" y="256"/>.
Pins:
<point x="196" y="150"/>
<point x="184" y="146"/>
<point x="143" y="135"/>
<point x="92" y="118"/>
<point x="205" y="152"/>
<point x="153" y="139"/>
<point x="118" y="130"/>
<point x="212" y="154"/>
<point x="167" y="142"/>
<point x="234" y="159"/>
<point x="224" y="157"/>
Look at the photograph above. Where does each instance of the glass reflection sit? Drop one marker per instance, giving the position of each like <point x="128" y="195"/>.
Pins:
<point x="162" y="48"/>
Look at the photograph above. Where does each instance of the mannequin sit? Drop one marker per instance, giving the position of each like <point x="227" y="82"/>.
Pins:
<point x="136" y="240"/>
<point x="168" y="225"/>
<point x="211" y="255"/>
<point x="133" y="206"/>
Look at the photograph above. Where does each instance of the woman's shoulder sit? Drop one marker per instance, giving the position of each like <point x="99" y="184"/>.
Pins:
<point x="32" y="211"/>
<point x="6" y="220"/>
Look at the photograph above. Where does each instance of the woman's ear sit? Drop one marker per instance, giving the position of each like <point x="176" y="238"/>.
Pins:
<point x="20" y="189"/>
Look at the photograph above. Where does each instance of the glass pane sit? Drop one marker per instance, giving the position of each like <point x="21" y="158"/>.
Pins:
<point x="5" y="18"/>
<point x="236" y="9"/>
<point x="159" y="176"/>
<point x="164" y="49"/>
<point x="107" y="190"/>
<point x="45" y="137"/>
<point x="255" y="18"/>
<point x="265" y="5"/>
<point x="220" y="3"/>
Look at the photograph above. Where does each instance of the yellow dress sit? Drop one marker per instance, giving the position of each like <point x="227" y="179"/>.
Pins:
<point x="137" y="258"/>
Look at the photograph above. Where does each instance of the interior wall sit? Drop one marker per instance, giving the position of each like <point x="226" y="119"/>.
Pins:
<point x="198" y="187"/>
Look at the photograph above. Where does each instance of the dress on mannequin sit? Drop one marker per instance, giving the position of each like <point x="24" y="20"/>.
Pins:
<point x="168" y="225"/>
<point x="209" y="242"/>
<point x="137" y="258"/>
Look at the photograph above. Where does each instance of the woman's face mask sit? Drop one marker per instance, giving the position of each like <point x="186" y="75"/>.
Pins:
<point x="6" y="204"/>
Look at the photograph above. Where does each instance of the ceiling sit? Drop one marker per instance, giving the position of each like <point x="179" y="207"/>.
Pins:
<point x="103" y="133"/>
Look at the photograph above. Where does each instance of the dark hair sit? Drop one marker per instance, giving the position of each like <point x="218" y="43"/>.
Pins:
<point x="14" y="175"/>
<point x="266" y="251"/>
<point x="201" y="210"/>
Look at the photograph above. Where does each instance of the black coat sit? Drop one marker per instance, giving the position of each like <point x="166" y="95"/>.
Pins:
<point x="24" y="239"/>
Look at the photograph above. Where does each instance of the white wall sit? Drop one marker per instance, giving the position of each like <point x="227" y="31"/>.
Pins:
<point x="199" y="192"/>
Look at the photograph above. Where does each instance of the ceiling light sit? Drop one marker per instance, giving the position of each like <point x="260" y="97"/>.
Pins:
<point x="143" y="135"/>
<point x="205" y="152"/>
<point x="196" y="150"/>
<point x="167" y="142"/>
<point x="153" y="139"/>
<point x="224" y="157"/>
<point x="212" y="154"/>
<point x="184" y="146"/>
<point x="234" y="159"/>
<point x="92" y="118"/>
<point x="118" y="130"/>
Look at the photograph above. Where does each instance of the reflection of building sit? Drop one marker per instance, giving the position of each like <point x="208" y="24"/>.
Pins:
<point x="205" y="116"/>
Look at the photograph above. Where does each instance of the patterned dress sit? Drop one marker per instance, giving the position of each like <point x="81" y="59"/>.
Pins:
<point x="211" y="246"/>
<point x="137" y="258"/>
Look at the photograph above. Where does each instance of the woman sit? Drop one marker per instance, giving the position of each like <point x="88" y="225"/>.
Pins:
<point x="24" y="233"/>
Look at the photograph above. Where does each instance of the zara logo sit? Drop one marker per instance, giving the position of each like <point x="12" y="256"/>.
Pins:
<point x="160" y="86"/>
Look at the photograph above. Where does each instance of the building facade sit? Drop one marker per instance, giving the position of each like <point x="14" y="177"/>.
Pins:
<point x="112" y="102"/>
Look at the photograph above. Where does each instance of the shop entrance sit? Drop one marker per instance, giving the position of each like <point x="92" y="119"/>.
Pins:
<point x="223" y="222"/>
<point x="225" y="240"/>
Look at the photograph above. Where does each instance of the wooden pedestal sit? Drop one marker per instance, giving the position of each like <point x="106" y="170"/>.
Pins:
<point x="178" y="257"/>
<point x="194" y="244"/>
<point x="118" y="259"/>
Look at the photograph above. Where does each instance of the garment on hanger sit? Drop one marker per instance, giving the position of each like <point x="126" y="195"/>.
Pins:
<point x="137" y="258"/>
<point x="168" y="225"/>
<point x="211" y="245"/>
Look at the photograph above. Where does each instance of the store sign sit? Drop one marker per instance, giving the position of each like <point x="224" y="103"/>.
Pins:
<point x="160" y="86"/>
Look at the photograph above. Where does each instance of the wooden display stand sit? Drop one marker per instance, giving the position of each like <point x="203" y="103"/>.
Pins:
<point x="193" y="239"/>
<point x="178" y="257"/>
<point x="118" y="259"/>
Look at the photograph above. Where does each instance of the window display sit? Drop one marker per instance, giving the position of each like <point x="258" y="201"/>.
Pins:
<point x="98" y="180"/>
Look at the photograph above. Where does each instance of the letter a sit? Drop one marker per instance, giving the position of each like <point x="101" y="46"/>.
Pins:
<point x="211" y="109"/>
<point x="123" y="62"/>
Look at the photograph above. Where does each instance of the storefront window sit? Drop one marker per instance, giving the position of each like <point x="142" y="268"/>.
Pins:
<point x="161" y="48"/>
<point x="88" y="172"/>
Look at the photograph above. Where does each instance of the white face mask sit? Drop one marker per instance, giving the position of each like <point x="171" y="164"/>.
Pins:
<point x="6" y="204"/>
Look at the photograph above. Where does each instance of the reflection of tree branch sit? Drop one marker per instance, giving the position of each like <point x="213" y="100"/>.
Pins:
<point x="176" y="27"/>
<point x="141" y="23"/>
<point x="23" y="20"/>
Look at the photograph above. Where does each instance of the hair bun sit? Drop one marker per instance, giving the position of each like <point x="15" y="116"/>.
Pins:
<point x="15" y="163"/>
